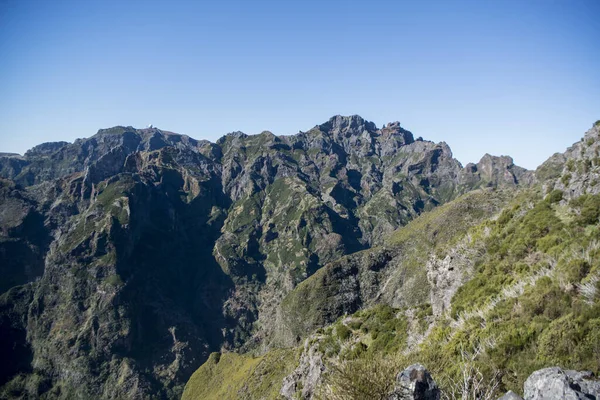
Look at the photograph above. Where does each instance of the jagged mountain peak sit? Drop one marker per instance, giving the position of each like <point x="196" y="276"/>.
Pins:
<point x="347" y="125"/>
<point x="45" y="149"/>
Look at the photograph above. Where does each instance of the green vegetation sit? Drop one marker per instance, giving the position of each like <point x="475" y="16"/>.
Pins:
<point x="234" y="376"/>
<point x="109" y="191"/>
<point x="532" y="302"/>
<point x="374" y="331"/>
<point x="364" y="378"/>
<point x="551" y="169"/>
<point x="555" y="196"/>
<point x="81" y="230"/>
<point x="526" y="307"/>
<point x="316" y="301"/>
<point x="114" y="280"/>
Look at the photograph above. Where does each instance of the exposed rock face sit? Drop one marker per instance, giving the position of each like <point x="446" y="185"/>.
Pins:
<point x="554" y="383"/>
<point x="393" y="274"/>
<point x="415" y="383"/>
<point x="446" y="275"/>
<point x="24" y="237"/>
<point x="496" y="171"/>
<point x="303" y="382"/>
<point x="131" y="255"/>
<point x="577" y="171"/>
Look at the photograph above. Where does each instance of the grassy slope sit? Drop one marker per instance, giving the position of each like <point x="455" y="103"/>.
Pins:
<point x="531" y="303"/>
<point x="234" y="376"/>
<point x="382" y="328"/>
<point x="321" y="298"/>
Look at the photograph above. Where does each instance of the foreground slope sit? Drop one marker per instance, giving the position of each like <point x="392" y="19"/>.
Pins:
<point x="494" y="285"/>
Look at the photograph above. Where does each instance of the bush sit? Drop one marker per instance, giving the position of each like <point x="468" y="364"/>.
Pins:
<point x="343" y="333"/>
<point x="590" y="211"/>
<point x="554" y="196"/>
<point x="114" y="280"/>
<point x="365" y="378"/>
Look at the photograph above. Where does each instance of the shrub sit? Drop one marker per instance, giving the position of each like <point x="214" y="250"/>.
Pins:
<point x="114" y="280"/>
<point x="370" y="377"/>
<point x="343" y="333"/>
<point x="590" y="211"/>
<point x="554" y="196"/>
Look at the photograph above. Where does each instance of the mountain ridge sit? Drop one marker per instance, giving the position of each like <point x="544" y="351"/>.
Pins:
<point x="149" y="250"/>
<point x="491" y="286"/>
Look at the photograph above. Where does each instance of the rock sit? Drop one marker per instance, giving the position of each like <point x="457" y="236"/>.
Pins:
<point x="307" y="376"/>
<point x="554" y="383"/>
<point x="510" y="395"/>
<point x="415" y="383"/>
<point x="586" y="381"/>
<point x="577" y="170"/>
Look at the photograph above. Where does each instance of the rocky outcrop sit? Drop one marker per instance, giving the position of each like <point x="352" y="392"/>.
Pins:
<point x="23" y="237"/>
<point x="404" y="272"/>
<point x="510" y="395"/>
<point x="576" y="171"/>
<point x="303" y="382"/>
<point x="415" y="383"/>
<point x="496" y="171"/>
<point x="446" y="275"/>
<point x="555" y="383"/>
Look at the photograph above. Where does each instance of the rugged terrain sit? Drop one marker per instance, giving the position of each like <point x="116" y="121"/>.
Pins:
<point x="483" y="290"/>
<point x="129" y="257"/>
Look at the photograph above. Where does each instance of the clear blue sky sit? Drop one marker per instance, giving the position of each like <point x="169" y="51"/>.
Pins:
<point x="504" y="77"/>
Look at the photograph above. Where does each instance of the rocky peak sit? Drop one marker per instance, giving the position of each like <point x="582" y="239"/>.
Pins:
<point x="577" y="170"/>
<point x="347" y="126"/>
<point x="496" y="171"/>
<point x="115" y="130"/>
<point x="394" y="130"/>
<point x="45" y="149"/>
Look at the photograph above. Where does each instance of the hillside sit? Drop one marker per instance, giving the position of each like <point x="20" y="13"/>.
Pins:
<point x="496" y="284"/>
<point x="130" y="256"/>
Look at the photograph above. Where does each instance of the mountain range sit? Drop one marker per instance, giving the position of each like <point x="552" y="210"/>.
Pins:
<point x="261" y="266"/>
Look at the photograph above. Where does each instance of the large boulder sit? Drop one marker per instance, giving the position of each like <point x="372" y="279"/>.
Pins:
<point x="415" y="383"/>
<point x="510" y="395"/>
<point x="586" y="381"/>
<point x="554" y="383"/>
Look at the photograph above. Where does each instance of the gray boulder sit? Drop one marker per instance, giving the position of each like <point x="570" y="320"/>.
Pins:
<point x="510" y="395"/>
<point x="415" y="383"/>
<point x="554" y="383"/>
<point x="586" y="381"/>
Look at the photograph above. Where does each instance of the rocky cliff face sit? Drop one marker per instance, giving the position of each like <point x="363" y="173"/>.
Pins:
<point x="576" y="171"/>
<point x="133" y="254"/>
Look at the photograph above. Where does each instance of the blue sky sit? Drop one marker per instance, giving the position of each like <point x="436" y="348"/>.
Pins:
<point x="503" y="77"/>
